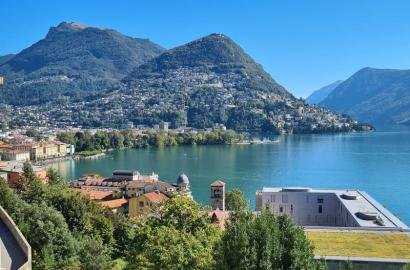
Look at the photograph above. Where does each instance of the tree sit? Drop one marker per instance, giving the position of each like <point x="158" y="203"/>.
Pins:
<point x="182" y="213"/>
<point x="54" y="177"/>
<point x="168" y="248"/>
<point x="235" y="201"/>
<point x="45" y="229"/>
<point x="27" y="177"/>
<point x="94" y="254"/>
<point x="33" y="133"/>
<point x="264" y="242"/>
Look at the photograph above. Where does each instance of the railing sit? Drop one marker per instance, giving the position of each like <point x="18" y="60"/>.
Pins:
<point x="19" y="237"/>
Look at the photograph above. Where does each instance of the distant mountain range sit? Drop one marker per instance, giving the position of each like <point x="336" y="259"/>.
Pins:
<point x="319" y="95"/>
<point x="374" y="96"/>
<point x="91" y="77"/>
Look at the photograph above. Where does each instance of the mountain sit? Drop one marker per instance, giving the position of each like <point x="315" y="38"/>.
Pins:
<point x="215" y="53"/>
<point x="317" y="96"/>
<point x="89" y="77"/>
<point x="374" y="95"/>
<point x="5" y="58"/>
<point x="72" y="60"/>
<point x="213" y="81"/>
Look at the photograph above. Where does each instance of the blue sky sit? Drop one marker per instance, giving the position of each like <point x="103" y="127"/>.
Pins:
<point x="304" y="45"/>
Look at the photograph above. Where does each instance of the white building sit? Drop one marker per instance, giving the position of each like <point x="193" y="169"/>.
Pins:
<point x="327" y="207"/>
<point x="15" y="155"/>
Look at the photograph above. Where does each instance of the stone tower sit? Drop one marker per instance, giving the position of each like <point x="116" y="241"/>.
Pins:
<point x="218" y="195"/>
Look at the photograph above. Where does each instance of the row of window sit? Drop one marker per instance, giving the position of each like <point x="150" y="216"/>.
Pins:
<point x="285" y="199"/>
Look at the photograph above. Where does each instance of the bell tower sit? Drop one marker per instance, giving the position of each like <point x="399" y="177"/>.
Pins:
<point x="218" y="195"/>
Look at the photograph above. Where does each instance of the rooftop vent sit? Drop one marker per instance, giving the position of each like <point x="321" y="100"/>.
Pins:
<point x="349" y="196"/>
<point x="368" y="215"/>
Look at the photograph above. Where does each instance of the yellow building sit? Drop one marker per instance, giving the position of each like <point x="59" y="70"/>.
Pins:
<point x="48" y="150"/>
<point x="142" y="205"/>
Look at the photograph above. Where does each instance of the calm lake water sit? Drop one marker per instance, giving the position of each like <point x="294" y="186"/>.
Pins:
<point x="378" y="163"/>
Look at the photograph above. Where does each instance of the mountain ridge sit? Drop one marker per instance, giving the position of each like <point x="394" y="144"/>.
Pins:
<point x="73" y="58"/>
<point x="317" y="96"/>
<point x="374" y="95"/>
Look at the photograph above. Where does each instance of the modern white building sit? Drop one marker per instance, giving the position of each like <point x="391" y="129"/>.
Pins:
<point x="327" y="207"/>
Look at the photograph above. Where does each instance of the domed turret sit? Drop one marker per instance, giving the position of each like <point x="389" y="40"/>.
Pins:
<point x="182" y="180"/>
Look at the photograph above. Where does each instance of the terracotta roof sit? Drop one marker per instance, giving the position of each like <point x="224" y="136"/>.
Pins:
<point x="218" y="183"/>
<point x="93" y="181"/>
<point x="155" y="197"/>
<point x="112" y="204"/>
<point x="219" y="217"/>
<point x="96" y="194"/>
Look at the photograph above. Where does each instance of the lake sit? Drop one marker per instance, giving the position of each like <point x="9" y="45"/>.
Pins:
<point x="378" y="163"/>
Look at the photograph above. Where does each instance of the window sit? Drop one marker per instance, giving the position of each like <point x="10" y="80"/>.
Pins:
<point x="281" y="209"/>
<point x="320" y="209"/>
<point x="284" y="198"/>
<point x="272" y="198"/>
<point x="291" y="208"/>
<point x="320" y="200"/>
<point x="141" y="204"/>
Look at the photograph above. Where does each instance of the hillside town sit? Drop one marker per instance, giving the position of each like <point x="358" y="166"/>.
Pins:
<point x="207" y="99"/>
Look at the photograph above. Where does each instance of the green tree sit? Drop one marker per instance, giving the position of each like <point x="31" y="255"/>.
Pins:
<point x="54" y="177"/>
<point x="27" y="177"/>
<point x="168" y="248"/>
<point x="94" y="254"/>
<point x="182" y="213"/>
<point x="46" y="231"/>
<point x="264" y="242"/>
<point x="33" y="133"/>
<point x="235" y="201"/>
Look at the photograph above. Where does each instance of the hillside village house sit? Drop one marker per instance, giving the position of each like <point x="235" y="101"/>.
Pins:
<point x="143" y="205"/>
<point x="116" y="205"/>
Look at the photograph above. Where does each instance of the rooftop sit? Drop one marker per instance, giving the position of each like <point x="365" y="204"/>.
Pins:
<point x="112" y="204"/>
<point x="393" y="245"/>
<point x="155" y="197"/>
<point x="218" y="183"/>
<point x="96" y="194"/>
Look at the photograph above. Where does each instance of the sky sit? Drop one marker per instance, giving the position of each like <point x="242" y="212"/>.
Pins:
<point x="304" y="45"/>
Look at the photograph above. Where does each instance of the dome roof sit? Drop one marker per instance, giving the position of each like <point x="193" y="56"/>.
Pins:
<point x="182" y="179"/>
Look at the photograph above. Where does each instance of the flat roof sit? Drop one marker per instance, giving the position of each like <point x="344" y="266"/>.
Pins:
<point x="361" y="205"/>
<point x="370" y="244"/>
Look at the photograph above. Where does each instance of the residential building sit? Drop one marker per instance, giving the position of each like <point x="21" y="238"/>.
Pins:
<point x="218" y="195"/>
<point x="143" y="204"/>
<point x="14" y="155"/>
<point x="125" y="184"/>
<point x="45" y="150"/>
<point x="116" y="205"/>
<point x="164" y="126"/>
<point x="120" y="175"/>
<point x="14" y="171"/>
<point x="328" y="207"/>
